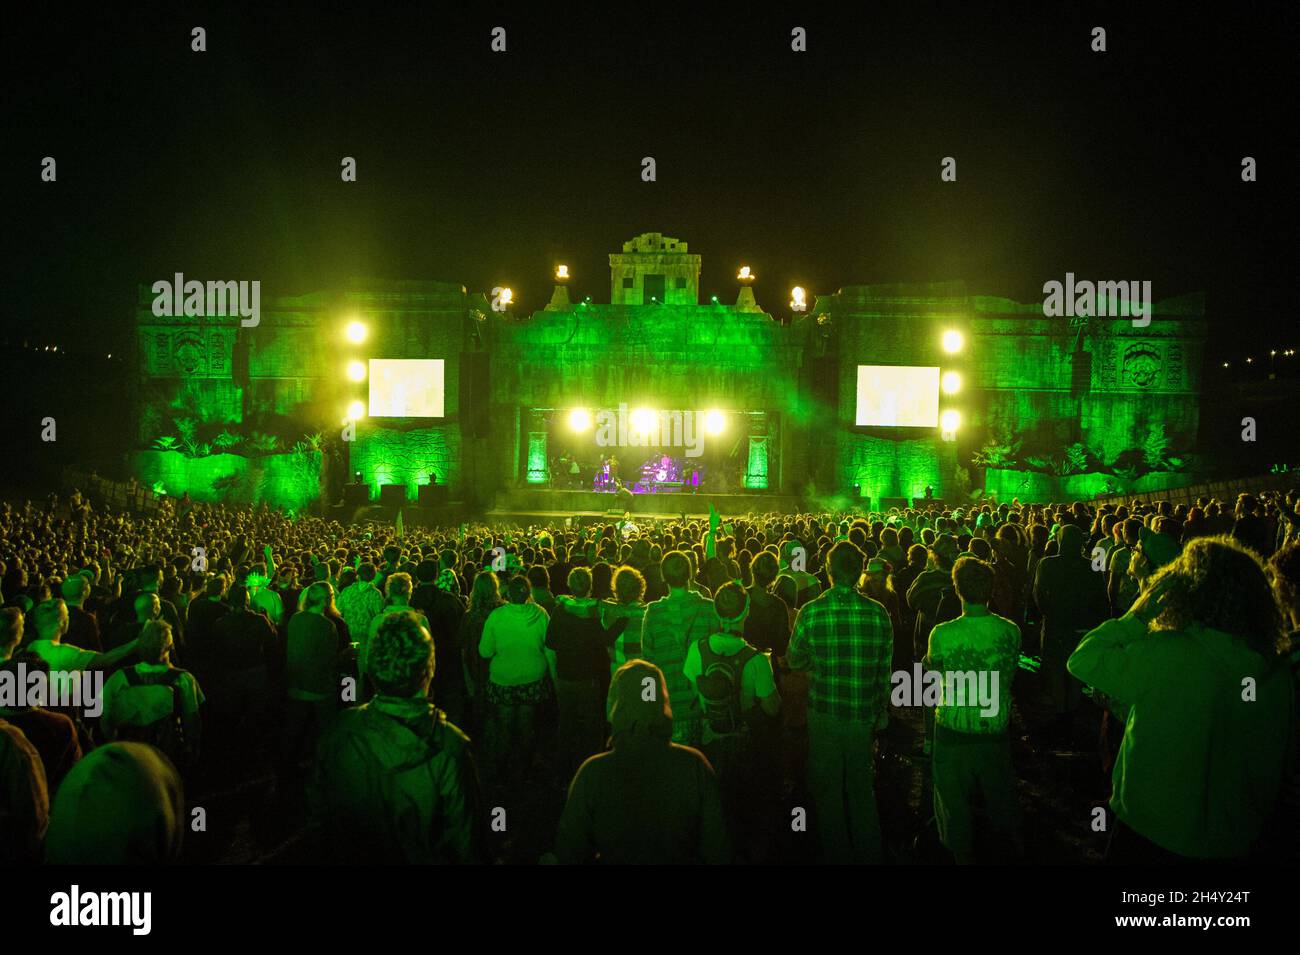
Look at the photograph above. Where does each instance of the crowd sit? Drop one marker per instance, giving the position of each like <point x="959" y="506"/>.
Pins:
<point x="690" y="690"/>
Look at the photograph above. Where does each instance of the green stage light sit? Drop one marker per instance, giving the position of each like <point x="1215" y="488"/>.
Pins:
<point x="355" y="332"/>
<point x="356" y="371"/>
<point x="952" y="341"/>
<point x="714" y="422"/>
<point x="579" y="419"/>
<point x="950" y="382"/>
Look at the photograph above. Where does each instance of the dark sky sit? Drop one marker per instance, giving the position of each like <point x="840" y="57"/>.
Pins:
<point x="819" y="168"/>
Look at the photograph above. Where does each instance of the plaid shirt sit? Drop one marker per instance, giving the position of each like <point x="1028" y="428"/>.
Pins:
<point x="846" y="640"/>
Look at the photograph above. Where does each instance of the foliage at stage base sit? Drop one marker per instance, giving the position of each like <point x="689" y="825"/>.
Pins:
<point x="1005" y="450"/>
<point x="253" y="444"/>
<point x="290" y="480"/>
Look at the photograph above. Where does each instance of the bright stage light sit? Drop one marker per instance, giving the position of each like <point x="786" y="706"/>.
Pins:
<point x="643" y="419"/>
<point x="714" y="422"/>
<point x="798" y="299"/>
<point x="355" y="332"/>
<point x="745" y="275"/>
<point x="562" y="272"/>
<point x="507" y="296"/>
<point x="950" y="421"/>
<point x="950" y="382"/>
<point x="356" y="371"/>
<point x="579" y="419"/>
<point x="356" y="410"/>
<point x="952" y="341"/>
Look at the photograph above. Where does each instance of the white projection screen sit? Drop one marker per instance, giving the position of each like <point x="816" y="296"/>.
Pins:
<point x="898" y="396"/>
<point x="406" y="388"/>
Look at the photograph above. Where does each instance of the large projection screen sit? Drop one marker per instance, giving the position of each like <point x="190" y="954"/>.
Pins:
<point x="898" y="396"/>
<point x="406" y="388"/>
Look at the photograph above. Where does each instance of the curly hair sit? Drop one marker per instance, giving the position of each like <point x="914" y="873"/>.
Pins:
<point x="400" y="657"/>
<point x="1220" y="584"/>
<point x="1285" y="568"/>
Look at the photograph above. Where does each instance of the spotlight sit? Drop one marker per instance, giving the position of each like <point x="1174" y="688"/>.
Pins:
<point x="949" y="421"/>
<point x="562" y="273"/>
<point x="356" y="410"/>
<point x="950" y="382"/>
<point x="952" y="341"/>
<point x="579" y="419"/>
<point x="715" y="300"/>
<point x="714" y="422"/>
<point x="745" y="275"/>
<point x="507" y="296"/>
<point x="357" y="371"/>
<point x="356" y="332"/>
<point x="643" y="419"/>
<point x="798" y="299"/>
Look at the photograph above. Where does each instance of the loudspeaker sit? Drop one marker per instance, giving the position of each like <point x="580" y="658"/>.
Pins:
<point x="474" y="394"/>
<point x="1080" y="373"/>
<point x="356" y="494"/>
<point x="392" y="495"/>
<point x="430" y="494"/>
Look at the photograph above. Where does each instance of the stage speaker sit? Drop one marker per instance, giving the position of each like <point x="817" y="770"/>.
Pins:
<point x="356" y="494"/>
<point x="475" y="394"/>
<point x="392" y="495"/>
<point x="1080" y="373"/>
<point x="431" y="494"/>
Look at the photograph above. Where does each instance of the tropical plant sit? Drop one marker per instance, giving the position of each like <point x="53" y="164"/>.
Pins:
<point x="227" y="439"/>
<point x="166" y="443"/>
<point x="1000" y="450"/>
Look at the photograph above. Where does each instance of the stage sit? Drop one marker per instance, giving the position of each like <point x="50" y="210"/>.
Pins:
<point x="550" y="503"/>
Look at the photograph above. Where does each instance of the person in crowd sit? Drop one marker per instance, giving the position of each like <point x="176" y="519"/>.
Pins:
<point x="154" y="702"/>
<point x="360" y="601"/>
<point x="1201" y="765"/>
<point x="581" y="649"/>
<point x="1071" y="596"/>
<point x="83" y="628"/>
<point x="739" y="701"/>
<point x="521" y="680"/>
<point x="621" y="615"/>
<point x="485" y="597"/>
<point x="438" y="597"/>
<point x="395" y="781"/>
<point x="24" y="798"/>
<point x="767" y="625"/>
<point x="648" y="800"/>
<point x="237" y="671"/>
<point x="122" y="804"/>
<point x="671" y="625"/>
<point x="314" y="651"/>
<point x="845" y="641"/>
<point x="976" y="655"/>
<point x="53" y="734"/>
<point x="65" y="663"/>
<point x="398" y="589"/>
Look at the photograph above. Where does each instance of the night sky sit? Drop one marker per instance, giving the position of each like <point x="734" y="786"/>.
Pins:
<point x="820" y="169"/>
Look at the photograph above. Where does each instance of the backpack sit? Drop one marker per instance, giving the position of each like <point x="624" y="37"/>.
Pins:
<point x="719" y="686"/>
<point x="168" y="732"/>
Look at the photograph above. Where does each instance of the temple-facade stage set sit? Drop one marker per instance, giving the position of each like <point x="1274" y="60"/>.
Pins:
<point x="373" y="397"/>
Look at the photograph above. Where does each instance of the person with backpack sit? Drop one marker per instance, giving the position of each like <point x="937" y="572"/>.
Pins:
<point x="394" y="782"/>
<point x="154" y="702"/>
<point x="736" y="690"/>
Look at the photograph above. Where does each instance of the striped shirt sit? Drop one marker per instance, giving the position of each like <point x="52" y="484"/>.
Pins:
<point x="846" y="641"/>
